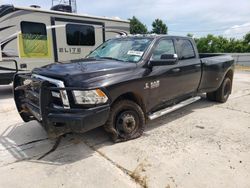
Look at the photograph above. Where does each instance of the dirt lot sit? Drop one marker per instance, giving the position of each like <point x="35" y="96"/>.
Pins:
<point x="202" y="145"/>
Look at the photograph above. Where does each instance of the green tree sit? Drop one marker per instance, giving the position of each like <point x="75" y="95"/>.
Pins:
<point x="190" y="35"/>
<point x="219" y="44"/>
<point x="247" y="38"/>
<point x="204" y="44"/>
<point x="159" y="27"/>
<point x="137" y="27"/>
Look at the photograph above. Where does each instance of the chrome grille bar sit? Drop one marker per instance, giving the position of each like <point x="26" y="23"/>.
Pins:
<point x="59" y="84"/>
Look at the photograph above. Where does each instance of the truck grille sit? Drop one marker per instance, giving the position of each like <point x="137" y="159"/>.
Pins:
<point x="60" y="97"/>
<point x="40" y="93"/>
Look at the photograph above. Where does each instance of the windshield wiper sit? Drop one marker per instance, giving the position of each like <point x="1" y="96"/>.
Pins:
<point x="111" y="58"/>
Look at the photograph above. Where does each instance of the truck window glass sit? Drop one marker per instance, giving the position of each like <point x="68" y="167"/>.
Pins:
<point x="163" y="47"/>
<point x="80" y="35"/>
<point x="186" y="50"/>
<point x="122" y="49"/>
<point x="33" y="40"/>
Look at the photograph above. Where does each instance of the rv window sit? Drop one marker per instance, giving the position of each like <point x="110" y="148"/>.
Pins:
<point x="33" y="41"/>
<point x="33" y="28"/>
<point x="80" y="35"/>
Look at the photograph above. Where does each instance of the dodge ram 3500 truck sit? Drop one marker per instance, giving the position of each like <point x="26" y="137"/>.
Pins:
<point x="122" y="84"/>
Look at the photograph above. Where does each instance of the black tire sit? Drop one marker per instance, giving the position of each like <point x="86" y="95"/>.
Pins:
<point x="221" y="95"/>
<point x="224" y="91"/>
<point x="126" y="121"/>
<point x="211" y="96"/>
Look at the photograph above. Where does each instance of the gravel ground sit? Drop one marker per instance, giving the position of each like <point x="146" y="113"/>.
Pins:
<point x="202" y="145"/>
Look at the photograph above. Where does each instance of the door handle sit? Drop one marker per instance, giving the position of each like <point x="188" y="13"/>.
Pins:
<point x="197" y="66"/>
<point x="176" y="70"/>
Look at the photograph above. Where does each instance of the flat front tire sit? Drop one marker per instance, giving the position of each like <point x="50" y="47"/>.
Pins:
<point x="126" y="121"/>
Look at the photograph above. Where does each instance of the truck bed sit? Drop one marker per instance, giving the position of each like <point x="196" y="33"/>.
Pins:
<point x="205" y="55"/>
<point x="214" y="68"/>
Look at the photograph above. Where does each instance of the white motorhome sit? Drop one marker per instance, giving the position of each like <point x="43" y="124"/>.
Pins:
<point x="32" y="37"/>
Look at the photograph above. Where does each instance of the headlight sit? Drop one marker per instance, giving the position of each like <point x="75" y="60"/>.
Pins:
<point x="90" y="97"/>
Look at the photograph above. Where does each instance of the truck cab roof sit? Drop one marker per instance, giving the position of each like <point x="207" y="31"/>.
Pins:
<point x="153" y="35"/>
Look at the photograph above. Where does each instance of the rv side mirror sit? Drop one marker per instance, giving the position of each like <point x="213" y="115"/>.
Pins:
<point x="166" y="59"/>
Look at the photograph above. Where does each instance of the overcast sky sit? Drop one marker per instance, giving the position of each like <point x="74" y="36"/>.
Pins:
<point x="229" y="18"/>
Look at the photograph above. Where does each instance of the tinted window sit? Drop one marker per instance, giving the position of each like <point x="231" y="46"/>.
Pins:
<point x="186" y="49"/>
<point x="80" y="35"/>
<point x="163" y="47"/>
<point x="32" y="28"/>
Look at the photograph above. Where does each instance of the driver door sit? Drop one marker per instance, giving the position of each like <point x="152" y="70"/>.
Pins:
<point x="168" y="76"/>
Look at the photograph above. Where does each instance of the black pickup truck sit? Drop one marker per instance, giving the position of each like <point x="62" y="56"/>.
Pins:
<point x="122" y="84"/>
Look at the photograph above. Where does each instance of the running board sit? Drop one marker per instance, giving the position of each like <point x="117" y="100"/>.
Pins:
<point x="173" y="108"/>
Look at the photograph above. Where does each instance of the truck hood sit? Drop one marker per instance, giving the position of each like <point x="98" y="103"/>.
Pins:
<point x="85" y="72"/>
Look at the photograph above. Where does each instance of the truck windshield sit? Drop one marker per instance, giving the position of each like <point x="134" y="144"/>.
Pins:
<point x="122" y="49"/>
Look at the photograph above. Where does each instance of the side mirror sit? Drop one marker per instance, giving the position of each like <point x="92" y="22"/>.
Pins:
<point x="166" y="59"/>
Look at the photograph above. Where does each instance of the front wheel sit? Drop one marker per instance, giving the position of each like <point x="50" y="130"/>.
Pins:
<point x="126" y="121"/>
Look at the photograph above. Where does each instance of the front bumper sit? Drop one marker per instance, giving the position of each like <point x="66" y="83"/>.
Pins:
<point x="59" y="123"/>
<point x="34" y="101"/>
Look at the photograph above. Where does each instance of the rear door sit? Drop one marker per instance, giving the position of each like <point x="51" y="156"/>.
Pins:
<point x="189" y="64"/>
